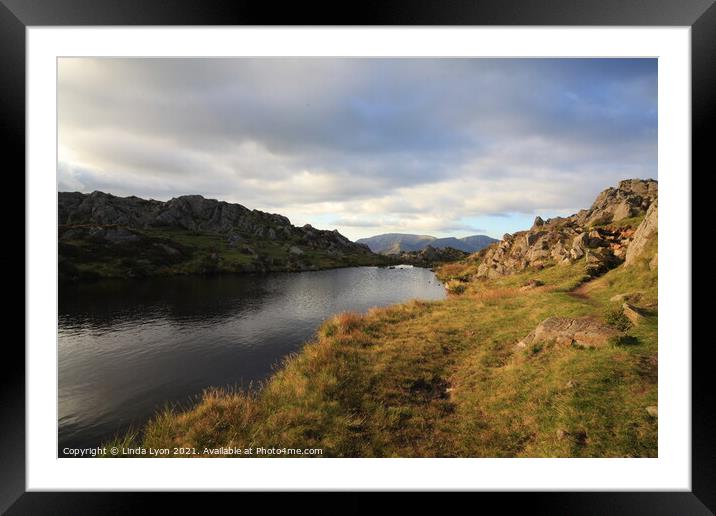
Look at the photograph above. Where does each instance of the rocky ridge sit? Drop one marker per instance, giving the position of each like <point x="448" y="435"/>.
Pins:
<point x="192" y="213"/>
<point x="102" y="235"/>
<point x="594" y="235"/>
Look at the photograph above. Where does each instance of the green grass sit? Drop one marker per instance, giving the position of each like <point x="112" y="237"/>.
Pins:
<point x="629" y="222"/>
<point x="445" y="379"/>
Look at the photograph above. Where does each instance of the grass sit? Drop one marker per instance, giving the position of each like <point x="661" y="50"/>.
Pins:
<point x="628" y="222"/>
<point x="445" y="379"/>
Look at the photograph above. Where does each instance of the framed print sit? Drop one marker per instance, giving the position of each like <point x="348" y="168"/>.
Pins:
<point x="413" y="250"/>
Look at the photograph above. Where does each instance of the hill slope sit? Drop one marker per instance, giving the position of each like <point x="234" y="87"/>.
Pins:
<point x="550" y="360"/>
<point x="396" y="243"/>
<point x="429" y="256"/>
<point x="101" y="235"/>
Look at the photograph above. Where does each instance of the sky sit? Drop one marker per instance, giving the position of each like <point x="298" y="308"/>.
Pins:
<point x="443" y="147"/>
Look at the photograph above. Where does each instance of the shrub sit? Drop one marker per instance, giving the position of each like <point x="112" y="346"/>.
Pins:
<point x="617" y="319"/>
<point x="624" y="340"/>
<point x="455" y="286"/>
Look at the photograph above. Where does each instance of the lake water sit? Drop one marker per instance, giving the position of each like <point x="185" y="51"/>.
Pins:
<point x="129" y="347"/>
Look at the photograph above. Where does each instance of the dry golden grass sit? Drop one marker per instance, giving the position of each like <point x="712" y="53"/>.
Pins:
<point x="493" y="294"/>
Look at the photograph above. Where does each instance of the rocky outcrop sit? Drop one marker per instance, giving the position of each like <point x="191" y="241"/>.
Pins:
<point x="590" y="235"/>
<point x="630" y="198"/>
<point x="192" y="213"/>
<point x="104" y="236"/>
<point x="565" y="331"/>
<point x="648" y="228"/>
<point x="430" y="256"/>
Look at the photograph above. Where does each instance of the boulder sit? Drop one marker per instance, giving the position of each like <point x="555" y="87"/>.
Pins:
<point x="647" y="230"/>
<point x="627" y="296"/>
<point x="633" y="313"/>
<point x="565" y="331"/>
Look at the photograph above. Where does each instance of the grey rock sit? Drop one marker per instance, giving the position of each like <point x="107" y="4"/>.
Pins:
<point x="188" y="212"/>
<point x="648" y="229"/>
<point x="565" y="331"/>
<point x="633" y="312"/>
<point x="631" y="197"/>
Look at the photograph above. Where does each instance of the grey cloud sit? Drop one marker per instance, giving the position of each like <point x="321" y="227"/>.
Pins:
<point x="439" y="137"/>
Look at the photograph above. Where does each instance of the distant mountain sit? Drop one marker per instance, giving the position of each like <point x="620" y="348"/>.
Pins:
<point x="395" y="243"/>
<point x="469" y="244"/>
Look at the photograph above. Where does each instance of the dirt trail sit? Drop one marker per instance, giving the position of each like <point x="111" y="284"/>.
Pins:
<point x="580" y="292"/>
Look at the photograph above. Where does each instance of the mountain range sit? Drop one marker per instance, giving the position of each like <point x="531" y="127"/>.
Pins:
<point x="396" y="243"/>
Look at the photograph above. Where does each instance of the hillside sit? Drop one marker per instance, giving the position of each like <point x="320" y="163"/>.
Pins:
<point x="396" y="243"/>
<point x="539" y="351"/>
<point x="429" y="256"/>
<point x="102" y="235"/>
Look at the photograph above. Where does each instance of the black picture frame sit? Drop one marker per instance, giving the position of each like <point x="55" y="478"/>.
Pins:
<point x="17" y="15"/>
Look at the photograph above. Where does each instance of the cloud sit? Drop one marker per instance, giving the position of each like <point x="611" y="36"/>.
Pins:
<point x="364" y="144"/>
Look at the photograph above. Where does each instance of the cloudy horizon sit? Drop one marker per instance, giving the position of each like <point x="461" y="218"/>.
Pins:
<point x="445" y="147"/>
